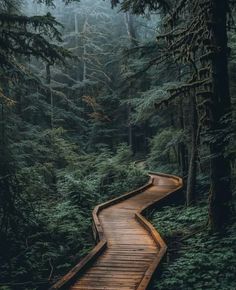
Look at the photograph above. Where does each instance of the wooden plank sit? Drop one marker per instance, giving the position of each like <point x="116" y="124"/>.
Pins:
<point x="109" y="286"/>
<point x="134" y="248"/>
<point x="81" y="266"/>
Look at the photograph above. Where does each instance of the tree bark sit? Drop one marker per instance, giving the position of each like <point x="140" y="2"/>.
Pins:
<point x="192" y="170"/>
<point x="76" y="40"/>
<point x="182" y="150"/>
<point x="48" y="82"/>
<point x="129" y="21"/>
<point x="133" y="42"/>
<point x="84" y="32"/>
<point x="219" y="106"/>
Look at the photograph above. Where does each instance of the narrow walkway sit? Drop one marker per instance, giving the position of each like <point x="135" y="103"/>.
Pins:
<point x="130" y="249"/>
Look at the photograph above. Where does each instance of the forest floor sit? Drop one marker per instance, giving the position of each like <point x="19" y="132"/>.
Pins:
<point x="197" y="259"/>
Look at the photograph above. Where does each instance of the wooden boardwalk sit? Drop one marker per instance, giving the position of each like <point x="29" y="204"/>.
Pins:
<point x="130" y="249"/>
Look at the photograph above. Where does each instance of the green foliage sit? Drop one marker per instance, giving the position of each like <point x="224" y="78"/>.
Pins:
<point x="145" y="105"/>
<point x="198" y="259"/>
<point x="96" y="178"/>
<point x="23" y="36"/>
<point x="53" y="208"/>
<point x="163" y="149"/>
<point x="62" y="130"/>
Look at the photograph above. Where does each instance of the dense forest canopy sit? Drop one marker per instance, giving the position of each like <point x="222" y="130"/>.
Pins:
<point x="89" y="87"/>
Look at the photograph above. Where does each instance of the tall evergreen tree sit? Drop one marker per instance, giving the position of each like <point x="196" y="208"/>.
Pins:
<point x="196" y="33"/>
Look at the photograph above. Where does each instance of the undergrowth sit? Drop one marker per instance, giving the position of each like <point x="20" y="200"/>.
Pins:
<point x="54" y="229"/>
<point x="196" y="259"/>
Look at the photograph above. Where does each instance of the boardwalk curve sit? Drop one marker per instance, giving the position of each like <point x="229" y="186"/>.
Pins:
<point x="129" y="249"/>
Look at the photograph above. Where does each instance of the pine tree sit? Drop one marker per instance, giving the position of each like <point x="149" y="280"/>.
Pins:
<point x="196" y="34"/>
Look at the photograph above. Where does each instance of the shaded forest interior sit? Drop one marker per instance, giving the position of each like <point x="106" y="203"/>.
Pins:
<point x="86" y="89"/>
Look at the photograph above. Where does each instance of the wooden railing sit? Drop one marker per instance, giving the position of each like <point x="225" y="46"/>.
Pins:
<point x="153" y="232"/>
<point x="100" y="238"/>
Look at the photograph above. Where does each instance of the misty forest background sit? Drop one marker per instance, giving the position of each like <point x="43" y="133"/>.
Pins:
<point x="85" y="90"/>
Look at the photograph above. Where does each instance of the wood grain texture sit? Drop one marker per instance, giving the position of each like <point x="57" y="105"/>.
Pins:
<point x="130" y="249"/>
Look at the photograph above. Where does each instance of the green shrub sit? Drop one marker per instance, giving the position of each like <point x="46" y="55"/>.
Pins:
<point x="197" y="258"/>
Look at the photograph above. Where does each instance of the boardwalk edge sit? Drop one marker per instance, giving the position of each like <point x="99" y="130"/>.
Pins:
<point x="154" y="233"/>
<point x="99" y="236"/>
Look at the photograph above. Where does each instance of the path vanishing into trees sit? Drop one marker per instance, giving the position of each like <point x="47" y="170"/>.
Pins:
<point x="129" y="249"/>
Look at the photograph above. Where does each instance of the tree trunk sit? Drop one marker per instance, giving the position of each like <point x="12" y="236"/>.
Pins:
<point x="192" y="170"/>
<point x="130" y="127"/>
<point x="76" y="40"/>
<point x="219" y="107"/>
<point x="2" y="139"/>
<point x="48" y="81"/>
<point x="133" y="42"/>
<point x="182" y="150"/>
<point x="84" y="32"/>
<point x="4" y="87"/>
<point x="130" y="29"/>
